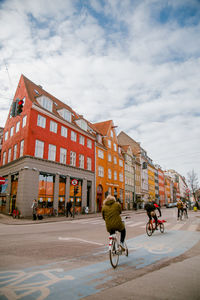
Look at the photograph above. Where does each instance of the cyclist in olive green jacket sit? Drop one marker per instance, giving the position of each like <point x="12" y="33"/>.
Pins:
<point x="111" y="211"/>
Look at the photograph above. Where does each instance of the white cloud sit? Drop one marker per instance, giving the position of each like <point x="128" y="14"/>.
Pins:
<point x="115" y="60"/>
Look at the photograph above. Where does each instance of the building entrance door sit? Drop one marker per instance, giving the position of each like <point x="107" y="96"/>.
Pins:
<point x="99" y="197"/>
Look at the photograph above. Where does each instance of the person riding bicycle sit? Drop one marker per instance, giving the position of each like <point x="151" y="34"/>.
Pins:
<point x="150" y="208"/>
<point x="111" y="211"/>
<point x="180" y="208"/>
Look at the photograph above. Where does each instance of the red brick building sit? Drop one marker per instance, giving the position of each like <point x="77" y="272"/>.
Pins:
<point x="44" y="148"/>
<point x="161" y="182"/>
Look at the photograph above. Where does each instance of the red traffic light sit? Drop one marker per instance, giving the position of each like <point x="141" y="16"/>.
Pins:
<point x="21" y="102"/>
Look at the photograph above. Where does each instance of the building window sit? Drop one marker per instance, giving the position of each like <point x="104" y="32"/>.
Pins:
<point x="109" y="157"/>
<point x="9" y="155"/>
<point x="15" y="152"/>
<point x="4" y="158"/>
<point x="53" y="126"/>
<point x="111" y="133"/>
<point x="109" y="143"/>
<point x="73" y="136"/>
<point x="121" y="163"/>
<point x="81" y="140"/>
<point x="24" y="121"/>
<point x="82" y="124"/>
<point x="63" y="131"/>
<point x="89" y="163"/>
<point x="63" y="156"/>
<point x="6" y="135"/>
<point x="73" y="159"/>
<point x="11" y="131"/>
<point x="17" y="126"/>
<point x="115" y="175"/>
<point x="21" y="153"/>
<point x="41" y="121"/>
<point x="115" y="160"/>
<point x="100" y="154"/>
<point x="45" y="102"/>
<point x="81" y="161"/>
<point x="52" y="152"/>
<point x="89" y="143"/>
<point x="109" y="174"/>
<point x="65" y="114"/>
<point x="39" y="149"/>
<point x="100" y="171"/>
<point x="121" y="177"/>
<point x="115" y="147"/>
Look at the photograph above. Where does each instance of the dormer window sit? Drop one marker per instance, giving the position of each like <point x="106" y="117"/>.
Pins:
<point x="65" y="114"/>
<point x="99" y="138"/>
<point x="45" y="102"/>
<point x="82" y="124"/>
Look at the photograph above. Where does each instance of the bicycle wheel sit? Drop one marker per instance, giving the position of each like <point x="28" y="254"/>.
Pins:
<point x="114" y="254"/>
<point x="162" y="228"/>
<point x="149" y="229"/>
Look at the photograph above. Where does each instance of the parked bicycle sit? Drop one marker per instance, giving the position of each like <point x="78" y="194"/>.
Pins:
<point x="115" y="250"/>
<point x="151" y="226"/>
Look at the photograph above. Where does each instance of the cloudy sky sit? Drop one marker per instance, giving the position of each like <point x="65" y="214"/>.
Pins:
<point x="136" y="62"/>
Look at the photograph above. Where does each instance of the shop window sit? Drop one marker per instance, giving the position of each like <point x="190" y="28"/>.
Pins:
<point x="76" y="196"/>
<point x="61" y="200"/>
<point x="46" y="193"/>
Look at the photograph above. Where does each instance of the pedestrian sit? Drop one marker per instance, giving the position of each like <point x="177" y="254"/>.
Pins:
<point x="180" y="208"/>
<point x="68" y="208"/>
<point x="34" y="208"/>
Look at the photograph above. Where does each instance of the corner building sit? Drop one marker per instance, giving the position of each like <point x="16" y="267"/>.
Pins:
<point x="44" y="149"/>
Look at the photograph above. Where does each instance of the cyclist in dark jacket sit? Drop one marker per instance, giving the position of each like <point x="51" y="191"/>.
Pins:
<point x="150" y="208"/>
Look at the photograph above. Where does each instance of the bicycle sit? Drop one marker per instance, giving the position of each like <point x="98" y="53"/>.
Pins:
<point x="151" y="226"/>
<point x="115" y="249"/>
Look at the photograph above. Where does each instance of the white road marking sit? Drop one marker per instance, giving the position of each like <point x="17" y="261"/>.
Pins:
<point x="80" y="240"/>
<point x="177" y="227"/>
<point x="135" y="224"/>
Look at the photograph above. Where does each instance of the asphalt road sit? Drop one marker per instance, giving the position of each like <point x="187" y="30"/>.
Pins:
<point x="69" y="260"/>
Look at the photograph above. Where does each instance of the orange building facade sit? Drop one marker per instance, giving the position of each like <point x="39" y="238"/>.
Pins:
<point x="109" y="165"/>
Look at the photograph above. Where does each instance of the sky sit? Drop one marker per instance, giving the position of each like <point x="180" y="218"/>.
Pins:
<point x="136" y="62"/>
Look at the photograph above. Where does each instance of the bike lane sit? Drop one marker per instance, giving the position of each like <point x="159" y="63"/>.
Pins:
<point x="50" y="282"/>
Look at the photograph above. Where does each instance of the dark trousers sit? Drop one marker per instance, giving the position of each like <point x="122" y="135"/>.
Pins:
<point x="34" y="217"/>
<point x="68" y="211"/>
<point x="123" y="234"/>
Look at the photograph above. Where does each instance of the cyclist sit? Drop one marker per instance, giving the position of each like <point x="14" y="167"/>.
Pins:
<point x="180" y="208"/>
<point x="150" y="208"/>
<point x="111" y="211"/>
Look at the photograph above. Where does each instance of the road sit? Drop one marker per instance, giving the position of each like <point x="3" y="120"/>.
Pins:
<point x="69" y="259"/>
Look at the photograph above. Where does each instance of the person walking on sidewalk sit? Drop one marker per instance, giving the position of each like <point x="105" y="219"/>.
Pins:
<point x="68" y="208"/>
<point x="34" y="208"/>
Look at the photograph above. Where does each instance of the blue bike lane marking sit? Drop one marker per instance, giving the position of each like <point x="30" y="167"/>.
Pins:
<point x="56" y="283"/>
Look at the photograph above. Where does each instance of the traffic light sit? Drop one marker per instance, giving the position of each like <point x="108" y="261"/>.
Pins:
<point x="13" y="109"/>
<point x="76" y="190"/>
<point x="20" y="104"/>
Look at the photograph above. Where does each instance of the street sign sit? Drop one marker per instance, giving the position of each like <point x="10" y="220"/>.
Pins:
<point x="2" y="180"/>
<point x="74" y="182"/>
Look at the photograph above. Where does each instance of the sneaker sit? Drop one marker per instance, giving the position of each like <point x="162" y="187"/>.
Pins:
<point x="122" y="245"/>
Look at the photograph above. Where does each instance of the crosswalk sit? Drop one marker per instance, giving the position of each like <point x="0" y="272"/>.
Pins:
<point x="186" y="226"/>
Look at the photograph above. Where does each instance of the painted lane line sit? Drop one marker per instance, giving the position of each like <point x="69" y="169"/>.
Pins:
<point x="177" y="226"/>
<point x="136" y="224"/>
<point x="79" y="240"/>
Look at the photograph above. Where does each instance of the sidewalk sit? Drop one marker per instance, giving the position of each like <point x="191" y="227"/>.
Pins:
<point x="8" y="220"/>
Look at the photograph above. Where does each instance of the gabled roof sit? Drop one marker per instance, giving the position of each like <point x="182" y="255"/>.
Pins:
<point x="103" y="127"/>
<point x="34" y="91"/>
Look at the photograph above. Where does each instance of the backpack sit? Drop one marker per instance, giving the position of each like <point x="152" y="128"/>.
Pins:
<point x="149" y="206"/>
